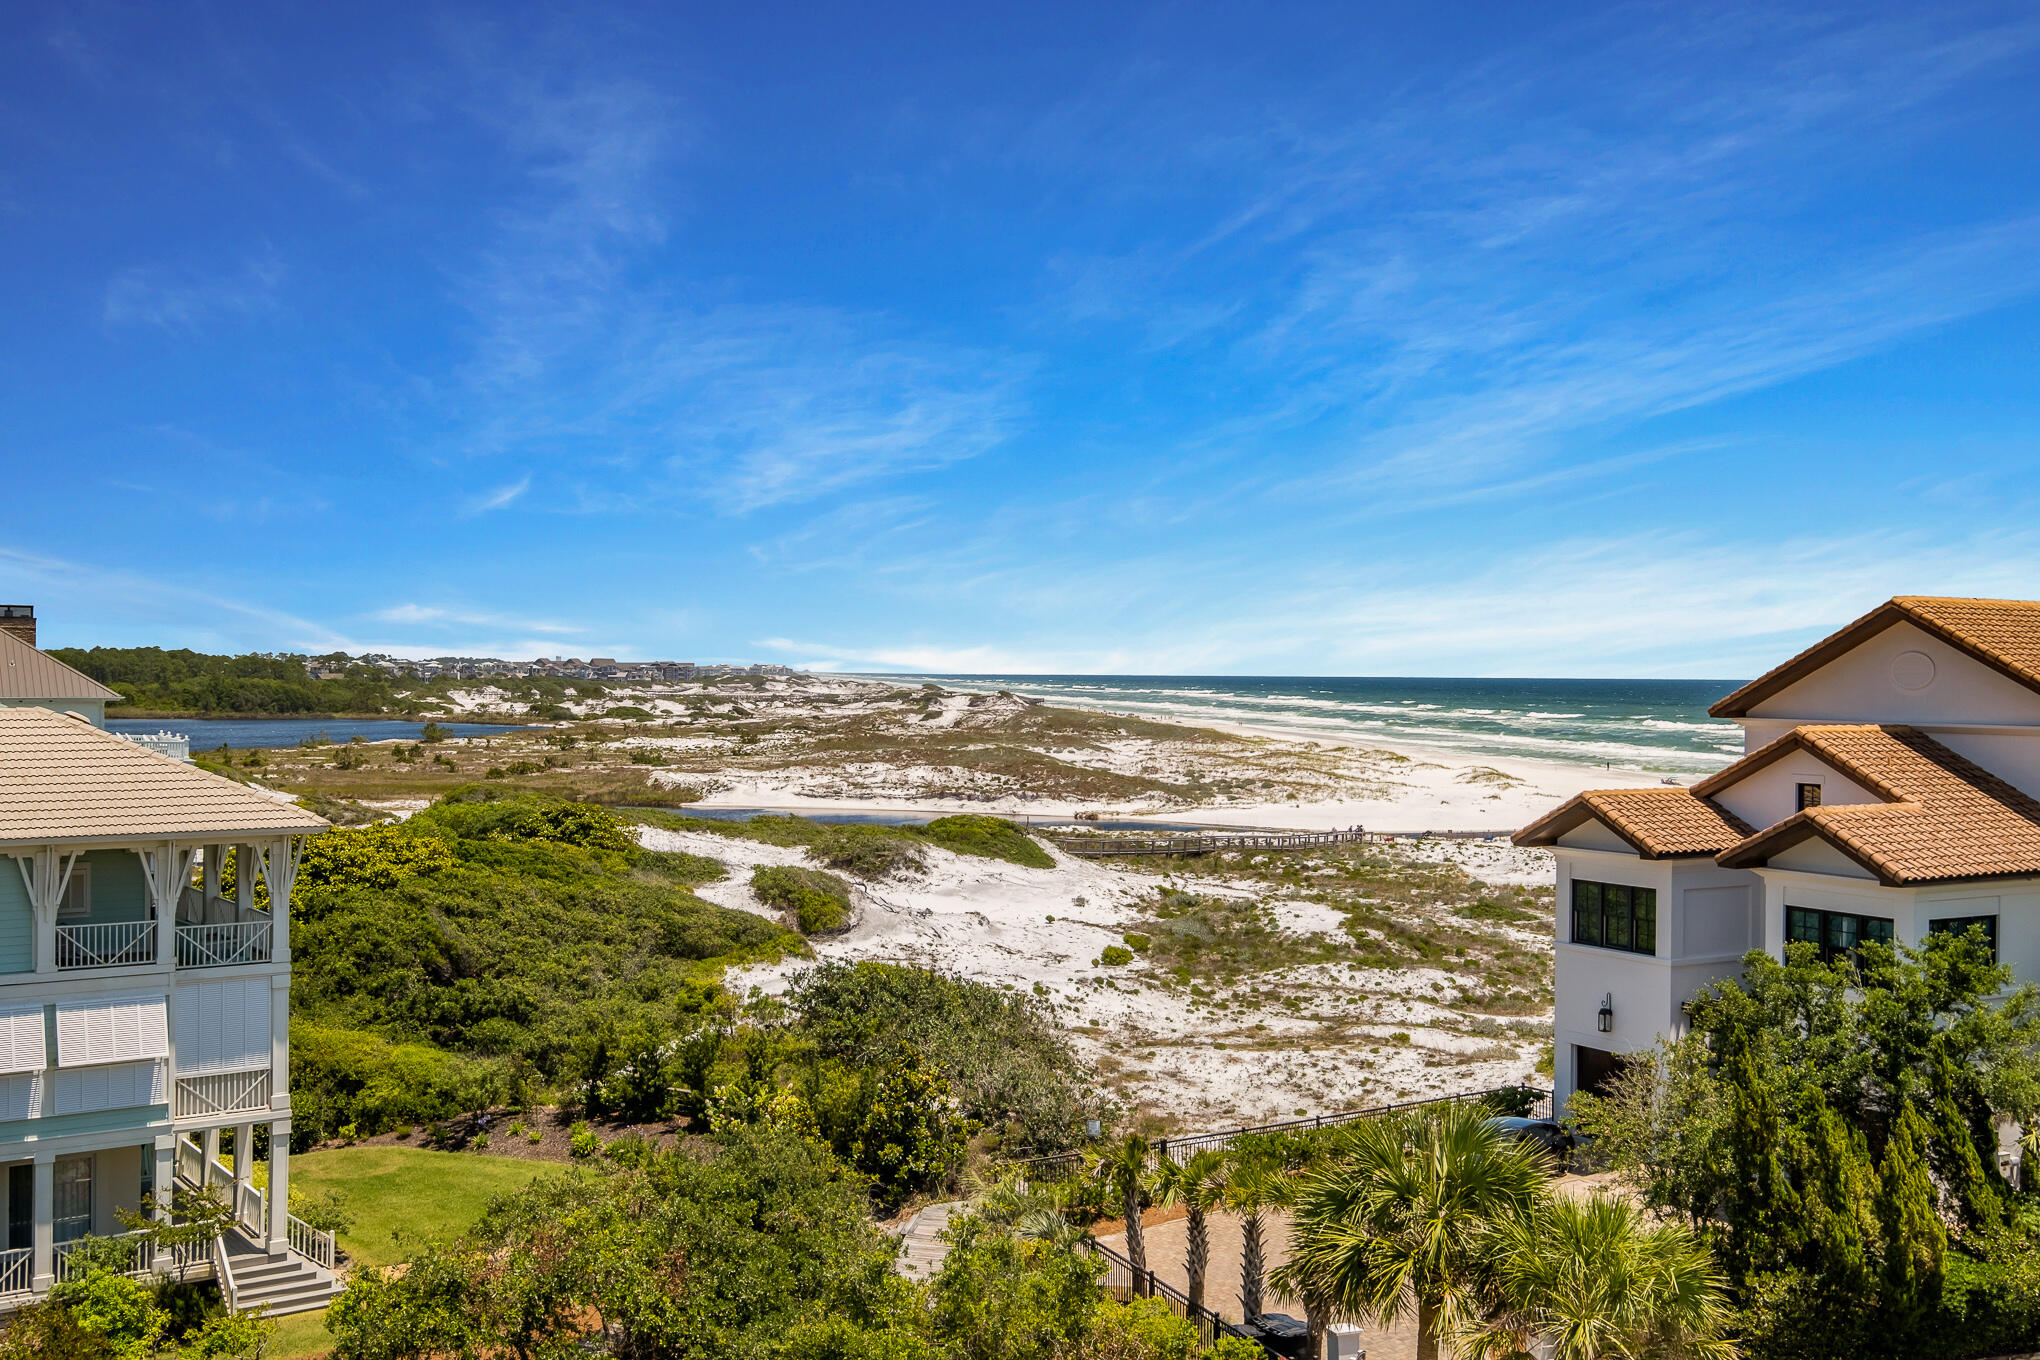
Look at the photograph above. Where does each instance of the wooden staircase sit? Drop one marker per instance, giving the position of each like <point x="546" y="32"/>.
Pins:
<point x="281" y="1284"/>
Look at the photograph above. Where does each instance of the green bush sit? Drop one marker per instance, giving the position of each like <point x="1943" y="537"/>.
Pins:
<point x="582" y="1141"/>
<point x="1137" y="942"/>
<point x="1115" y="957"/>
<point x="642" y="757"/>
<point x="870" y="852"/>
<point x="818" y="901"/>
<point x="343" y="1076"/>
<point x="627" y="711"/>
<point x="988" y="837"/>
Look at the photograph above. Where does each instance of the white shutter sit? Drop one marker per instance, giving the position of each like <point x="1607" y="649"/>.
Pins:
<point x="21" y="1096"/>
<point x="223" y="1026"/>
<point x="23" y="1044"/>
<point x="116" y="1029"/>
<point x="116" y="1086"/>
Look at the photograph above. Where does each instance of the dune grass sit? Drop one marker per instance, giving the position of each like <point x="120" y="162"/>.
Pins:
<point x="399" y="1197"/>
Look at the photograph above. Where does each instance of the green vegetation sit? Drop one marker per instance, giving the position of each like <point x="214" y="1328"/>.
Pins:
<point x="1838" y="1124"/>
<point x="158" y="681"/>
<point x="400" y="1197"/>
<point x="875" y="852"/>
<point x="491" y="947"/>
<point x="763" y="1248"/>
<point x="819" y="901"/>
<point x="1115" y="956"/>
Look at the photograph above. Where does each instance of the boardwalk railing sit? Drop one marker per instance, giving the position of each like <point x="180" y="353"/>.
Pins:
<point x="1057" y="1165"/>
<point x="1122" y="1281"/>
<point x="1202" y="843"/>
<point x="1099" y="846"/>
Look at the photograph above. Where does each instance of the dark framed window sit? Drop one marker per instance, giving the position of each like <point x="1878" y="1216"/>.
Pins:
<point x="1614" y="916"/>
<point x="1959" y="925"/>
<point x="1809" y="796"/>
<point x="1834" y="933"/>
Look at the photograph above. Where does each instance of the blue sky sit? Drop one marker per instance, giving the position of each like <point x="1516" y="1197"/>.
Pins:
<point x="1264" y="339"/>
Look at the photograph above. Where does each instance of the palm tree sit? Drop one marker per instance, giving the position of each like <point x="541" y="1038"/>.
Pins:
<point x="1195" y="1183"/>
<point x="1032" y="1213"/>
<point x="1292" y="1157"/>
<point x="1124" y="1170"/>
<point x="1596" y="1277"/>
<point x="1401" y="1223"/>
<point x="1252" y="1185"/>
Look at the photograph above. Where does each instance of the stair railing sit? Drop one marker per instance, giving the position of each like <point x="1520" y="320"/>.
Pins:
<point x="224" y="1273"/>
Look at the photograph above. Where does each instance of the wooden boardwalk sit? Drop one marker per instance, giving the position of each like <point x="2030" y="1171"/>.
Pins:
<point x="1103" y="846"/>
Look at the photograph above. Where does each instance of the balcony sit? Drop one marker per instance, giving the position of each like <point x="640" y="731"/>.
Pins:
<point x="223" y="944"/>
<point x="105" y="944"/>
<point x="223" y="1093"/>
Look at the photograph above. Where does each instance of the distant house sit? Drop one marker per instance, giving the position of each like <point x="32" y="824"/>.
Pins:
<point x="34" y="679"/>
<point x="1888" y="791"/>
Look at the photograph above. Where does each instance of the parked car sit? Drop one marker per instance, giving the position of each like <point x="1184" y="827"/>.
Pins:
<point x="1280" y="1333"/>
<point x="1547" y="1134"/>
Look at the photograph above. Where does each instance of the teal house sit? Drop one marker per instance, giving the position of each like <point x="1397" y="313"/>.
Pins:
<point x="144" y="1000"/>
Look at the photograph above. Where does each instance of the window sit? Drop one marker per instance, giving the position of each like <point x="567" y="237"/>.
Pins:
<point x="1809" y="796"/>
<point x="1834" y="933"/>
<point x="73" y="1199"/>
<point x="1959" y="925"/>
<point x="77" y="903"/>
<point x="1614" y="916"/>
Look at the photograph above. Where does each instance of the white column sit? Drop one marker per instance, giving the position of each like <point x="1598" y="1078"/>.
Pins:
<point x="279" y="871"/>
<point x="165" y="1153"/>
<point x="279" y="1186"/>
<point x="279" y="1042"/>
<point x="46" y="873"/>
<point x="215" y="860"/>
<point x="166" y="870"/>
<point x="247" y="864"/>
<point x="209" y="1152"/>
<point x="244" y="1168"/>
<point x="45" y="1260"/>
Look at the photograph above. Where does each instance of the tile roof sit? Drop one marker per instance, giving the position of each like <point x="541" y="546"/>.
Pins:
<point x="62" y="779"/>
<point x="1948" y="818"/>
<point x="26" y="673"/>
<point x="1661" y="823"/>
<point x="2002" y="634"/>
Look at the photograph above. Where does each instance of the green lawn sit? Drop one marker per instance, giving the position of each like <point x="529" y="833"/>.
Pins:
<point x="398" y="1196"/>
<point x="298" y="1336"/>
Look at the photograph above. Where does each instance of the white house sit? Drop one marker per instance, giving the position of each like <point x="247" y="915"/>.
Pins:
<point x="143" y="1008"/>
<point x="1890" y="787"/>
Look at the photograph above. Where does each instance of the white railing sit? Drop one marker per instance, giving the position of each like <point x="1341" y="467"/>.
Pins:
<point x="314" y="1244"/>
<point x="106" y="944"/>
<point x="221" y="1093"/>
<point x="248" y="1210"/>
<point x="217" y="946"/>
<point x="141" y="1258"/>
<point x="192" y="1260"/>
<point x="224" y="1273"/>
<point x="17" y="1270"/>
<point x="190" y="1162"/>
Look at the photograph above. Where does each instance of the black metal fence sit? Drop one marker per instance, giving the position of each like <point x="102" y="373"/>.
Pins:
<point x="1060" y="1165"/>
<point x="1122" y="1281"/>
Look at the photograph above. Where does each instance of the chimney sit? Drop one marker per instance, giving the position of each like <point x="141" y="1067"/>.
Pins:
<point x="18" y="619"/>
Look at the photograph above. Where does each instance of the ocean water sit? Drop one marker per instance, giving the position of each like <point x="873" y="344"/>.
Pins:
<point x="1632" y="724"/>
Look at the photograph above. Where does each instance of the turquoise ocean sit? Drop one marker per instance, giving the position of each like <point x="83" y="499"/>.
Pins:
<point x="1659" y="725"/>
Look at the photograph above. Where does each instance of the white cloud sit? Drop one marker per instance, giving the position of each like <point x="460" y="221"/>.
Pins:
<point x="183" y="300"/>
<point x="501" y="498"/>
<point x="438" y="616"/>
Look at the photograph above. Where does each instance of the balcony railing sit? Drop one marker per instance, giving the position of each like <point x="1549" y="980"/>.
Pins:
<point x="17" y="1269"/>
<point x="222" y="1093"/>
<point x="106" y="944"/>
<point x="228" y="942"/>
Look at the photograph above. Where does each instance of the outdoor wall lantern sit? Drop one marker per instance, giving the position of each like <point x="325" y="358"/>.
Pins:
<point x="1608" y="1013"/>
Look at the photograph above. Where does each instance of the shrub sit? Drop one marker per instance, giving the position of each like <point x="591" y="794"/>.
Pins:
<point x="988" y="837"/>
<point x="582" y="1141"/>
<point x="1137" y="942"/>
<point x="870" y="852"/>
<point x="1115" y="957"/>
<point x="818" y="901"/>
<point x="432" y="733"/>
<point x="647" y="758"/>
<point x="627" y="711"/>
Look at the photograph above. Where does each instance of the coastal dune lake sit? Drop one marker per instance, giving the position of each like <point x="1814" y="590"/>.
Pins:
<point x="265" y="734"/>
<point x="1641" y="724"/>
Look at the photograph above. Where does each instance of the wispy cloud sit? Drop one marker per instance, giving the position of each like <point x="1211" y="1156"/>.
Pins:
<point x="438" y="615"/>
<point x="659" y="395"/>
<point x="501" y="498"/>
<point x="185" y="299"/>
